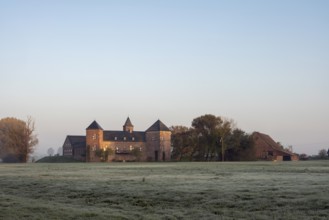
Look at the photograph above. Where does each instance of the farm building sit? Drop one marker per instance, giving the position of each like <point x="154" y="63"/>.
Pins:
<point x="154" y="144"/>
<point x="75" y="146"/>
<point x="267" y="149"/>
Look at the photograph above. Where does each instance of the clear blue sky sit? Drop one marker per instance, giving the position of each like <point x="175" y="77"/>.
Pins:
<point x="264" y="64"/>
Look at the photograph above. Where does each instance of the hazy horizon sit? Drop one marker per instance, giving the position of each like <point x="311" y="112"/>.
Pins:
<point x="262" y="64"/>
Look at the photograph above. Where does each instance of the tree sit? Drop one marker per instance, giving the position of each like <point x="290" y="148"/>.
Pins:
<point x="207" y="130"/>
<point x="17" y="139"/>
<point x="50" y="151"/>
<point x="103" y="154"/>
<point x="322" y="154"/>
<point x="213" y="132"/>
<point x="181" y="142"/>
<point x="137" y="153"/>
<point x="240" y="146"/>
<point x="60" y="151"/>
<point x="224" y="132"/>
<point x="328" y="152"/>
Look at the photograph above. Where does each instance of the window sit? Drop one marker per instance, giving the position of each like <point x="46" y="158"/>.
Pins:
<point x="94" y="136"/>
<point x="131" y="148"/>
<point x="115" y="138"/>
<point x="132" y="138"/>
<point x="124" y="138"/>
<point x="161" y="138"/>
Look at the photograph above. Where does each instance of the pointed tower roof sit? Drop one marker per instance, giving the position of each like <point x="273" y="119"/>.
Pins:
<point x="128" y="123"/>
<point x="94" y="126"/>
<point x="158" y="126"/>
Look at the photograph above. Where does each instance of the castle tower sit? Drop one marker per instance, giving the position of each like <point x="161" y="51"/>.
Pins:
<point x="94" y="137"/>
<point x="128" y="126"/>
<point x="158" y="142"/>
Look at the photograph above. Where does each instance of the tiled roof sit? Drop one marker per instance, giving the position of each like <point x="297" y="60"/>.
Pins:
<point x="135" y="136"/>
<point x="77" y="141"/>
<point x="158" y="126"/>
<point x="94" y="125"/>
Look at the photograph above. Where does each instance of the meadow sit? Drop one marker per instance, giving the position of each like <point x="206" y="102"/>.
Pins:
<point x="198" y="190"/>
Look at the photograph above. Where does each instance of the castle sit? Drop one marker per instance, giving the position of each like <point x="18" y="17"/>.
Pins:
<point x="154" y="144"/>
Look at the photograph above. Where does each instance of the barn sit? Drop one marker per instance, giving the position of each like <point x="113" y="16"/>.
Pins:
<point x="267" y="149"/>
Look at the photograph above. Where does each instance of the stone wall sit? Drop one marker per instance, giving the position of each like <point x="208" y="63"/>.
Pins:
<point x="124" y="150"/>
<point x="156" y="148"/>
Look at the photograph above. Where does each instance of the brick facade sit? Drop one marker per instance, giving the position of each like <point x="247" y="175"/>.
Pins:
<point x="158" y="145"/>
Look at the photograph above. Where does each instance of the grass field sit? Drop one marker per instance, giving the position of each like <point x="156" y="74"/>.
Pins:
<point x="254" y="190"/>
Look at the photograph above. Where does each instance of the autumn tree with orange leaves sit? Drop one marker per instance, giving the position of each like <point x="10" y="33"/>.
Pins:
<point x="17" y="139"/>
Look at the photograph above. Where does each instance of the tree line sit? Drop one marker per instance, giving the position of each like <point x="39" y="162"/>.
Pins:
<point x="211" y="138"/>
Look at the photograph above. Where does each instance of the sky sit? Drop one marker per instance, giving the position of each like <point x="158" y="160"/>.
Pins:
<point x="264" y="64"/>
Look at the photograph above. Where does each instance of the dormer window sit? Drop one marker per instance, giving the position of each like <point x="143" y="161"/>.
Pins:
<point x="124" y="138"/>
<point x="132" y="138"/>
<point x="115" y="138"/>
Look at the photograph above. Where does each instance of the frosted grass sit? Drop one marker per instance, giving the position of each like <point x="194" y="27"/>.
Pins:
<point x="254" y="190"/>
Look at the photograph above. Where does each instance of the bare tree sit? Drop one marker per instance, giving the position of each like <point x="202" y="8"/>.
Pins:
<point x="60" y="151"/>
<point x="30" y="139"/>
<point x="50" y="151"/>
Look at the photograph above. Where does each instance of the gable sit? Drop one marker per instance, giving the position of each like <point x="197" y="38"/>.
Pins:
<point x="67" y="142"/>
<point x="75" y="141"/>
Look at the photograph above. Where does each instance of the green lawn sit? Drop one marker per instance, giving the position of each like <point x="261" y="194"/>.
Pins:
<point x="253" y="190"/>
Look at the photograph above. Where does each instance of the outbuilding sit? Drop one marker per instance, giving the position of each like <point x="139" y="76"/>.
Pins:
<point x="267" y="149"/>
